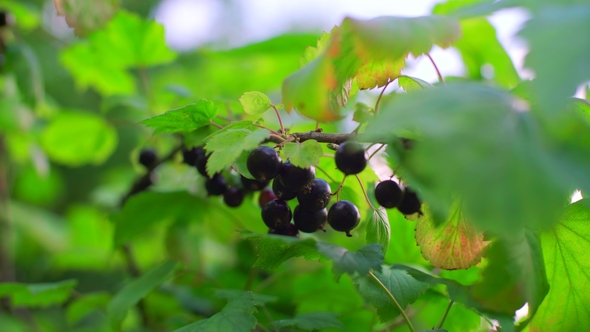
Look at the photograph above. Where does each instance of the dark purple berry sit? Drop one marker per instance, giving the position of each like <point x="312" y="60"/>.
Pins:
<point x="264" y="163"/>
<point x="309" y="222"/>
<point x="253" y="185"/>
<point x="295" y="178"/>
<point x="350" y="158"/>
<point x="276" y="214"/>
<point x="265" y="197"/>
<point x="288" y="230"/>
<point x="6" y="18"/>
<point x="201" y="163"/>
<point x="233" y="196"/>
<point x="410" y="203"/>
<point x="344" y="216"/>
<point x="280" y="191"/>
<point x="317" y="198"/>
<point x="189" y="156"/>
<point x="147" y="158"/>
<point x="388" y="194"/>
<point x="216" y="185"/>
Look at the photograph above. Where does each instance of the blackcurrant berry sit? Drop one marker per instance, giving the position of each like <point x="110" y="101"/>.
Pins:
<point x="280" y="191"/>
<point x="350" y="158"/>
<point x="317" y="198"/>
<point x="253" y="185"/>
<point x="264" y="163"/>
<point x="233" y="196"/>
<point x="189" y="156"/>
<point x="388" y="194"/>
<point x="216" y="185"/>
<point x="147" y="157"/>
<point x="276" y="214"/>
<point x="201" y="163"/>
<point x="309" y="222"/>
<point x="6" y="18"/>
<point x="410" y="203"/>
<point x="344" y="216"/>
<point x="295" y="178"/>
<point x="265" y="197"/>
<point x="289" y="230"/>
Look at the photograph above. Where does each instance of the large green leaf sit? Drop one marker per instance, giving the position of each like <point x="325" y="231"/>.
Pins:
<point x="76" y="139"/>
<point x="135" y="290"/>
<point x="566" y="250"/>
<point x="255" y="102"/>
<point x="84" y="305"/>
<point x="37" y="295"/>
<point x="362" y="261"/>
<point x="228" y="146"/>
<point x="311" y="321"/>
<point x="236" y="316"/>
<point x="304" y="154"/>
<point x="378" y="229"/>
<point x="400" y="284"/>
<point x="184" y="119"/>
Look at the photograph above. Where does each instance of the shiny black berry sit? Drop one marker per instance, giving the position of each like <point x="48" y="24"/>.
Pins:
<point x="233" y="196"/>
<point x="265" y="197"/>
<point x="189" y="156"/>
<point x="6" y="18"/>
<point x="280" y="191"/>
<point x="253" y="185"/>
<point x="410" y="203"/>
<point x="289" y="230"/>
<point x="350" y="158"/>
<point x="147" y="158"/>
<point x="216" y="185"/>
<point x="201" y="163"/>
<point x="309" y="222"/>
<point x="295" y="178"/>
<point x="276" y="214"/>
<point x="344" y="216"/>
<point x="317" y="198"/>
<point x="388" y="194"/>
<point x="264" y="163"/>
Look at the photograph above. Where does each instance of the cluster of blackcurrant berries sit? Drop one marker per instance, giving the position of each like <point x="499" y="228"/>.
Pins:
<point x="390" y="195"/>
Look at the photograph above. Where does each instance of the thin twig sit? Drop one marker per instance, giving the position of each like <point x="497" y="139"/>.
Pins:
<point x="326" y="173"/>
<point x="445" y="314"/>
<point x="271" y="131"/>
<point x="215" y="124"/>
<point x="399" y="307"/>
<point x="279" y="117"/>
<point x="440" y="78"/>
<point x="144" y="77"/>
<point x="337" y="192"/>
<point x="381" y="95"/>
<point x="375" y="152"/>
<point x="365" y="192"/>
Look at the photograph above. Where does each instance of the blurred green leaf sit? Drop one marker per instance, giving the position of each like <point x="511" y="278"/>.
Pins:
<point x="363" y="113"/>
<point x="565" y="250"/>
<point x="37" y="295"/>
<point x="229" y="145"/>
<point x="183" y="119"/>
<point x="401" y="285"/>
<point x="312" y="52"/>
<point x="82" y="306"/>
<point x="362" y="261"/>
<point x="376" y="74"/>
<point x="311" y="321"/>
<point x="232" y="294"/>
<point x="255" y="103"/>
<point x="26" y="17"/>
<point x="77" y="139"/>
<point x="410" y="83"/>
<point x="378" y="229"/>
<point x="135" y="290"/>
<point x="304" y="154"/>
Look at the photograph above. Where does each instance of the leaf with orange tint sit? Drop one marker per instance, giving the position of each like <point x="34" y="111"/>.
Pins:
<point x="376" y="74"/>
<point x="454" y="244"/>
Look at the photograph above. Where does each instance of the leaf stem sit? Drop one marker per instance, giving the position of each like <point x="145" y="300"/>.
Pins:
<point x="381" y="95"/>
<point x="375" y="152"/>
<point x="279" y="117"/>
<point x="445" y="314"/>
<point x="399" y="307"/>
<point x="326" y="173"/>
<point x="215" y="124"/>
<point x="365" y="192"/>
<point x="271" y="131"/>
<point x="440" y="78"/>
<point x="337" y="192"/>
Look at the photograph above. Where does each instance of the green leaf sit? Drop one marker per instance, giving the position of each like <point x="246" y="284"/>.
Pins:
<point x="454" y="244"/>
<point x="273" y="250"/>
<point x="255" y="103"/>
<point x="363" y="113"/>
<point x="378" y="230"/>
<point x="400" y="284"/>
<point x="558" y="74"/>
<point x="37" y="295"/>
<point x="86" y="304"/>
<point x="241" y="165"/>
<point x="409" y="83"/>
<point x="311" y="52"/>
<point x="304" y="154"/>
<point x="228" y="146"/>
<point x="565" y="249"/>
<point x="362" y="261"/>
<point x="242" y="124"/>
<point x="236" y="316"/>
<point x="232" y="294"/>
<point x="135" y="290"/>
<point x="376" y="74"/>
<point x="77" y="139"/>
<point x="145" y="209"/>
<point x="184" y="119"/>
<point x="311" y="321"/>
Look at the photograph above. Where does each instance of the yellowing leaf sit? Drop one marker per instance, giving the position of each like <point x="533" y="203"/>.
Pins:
<point x="454" y="244"/>
<point x="375" y="74"/>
